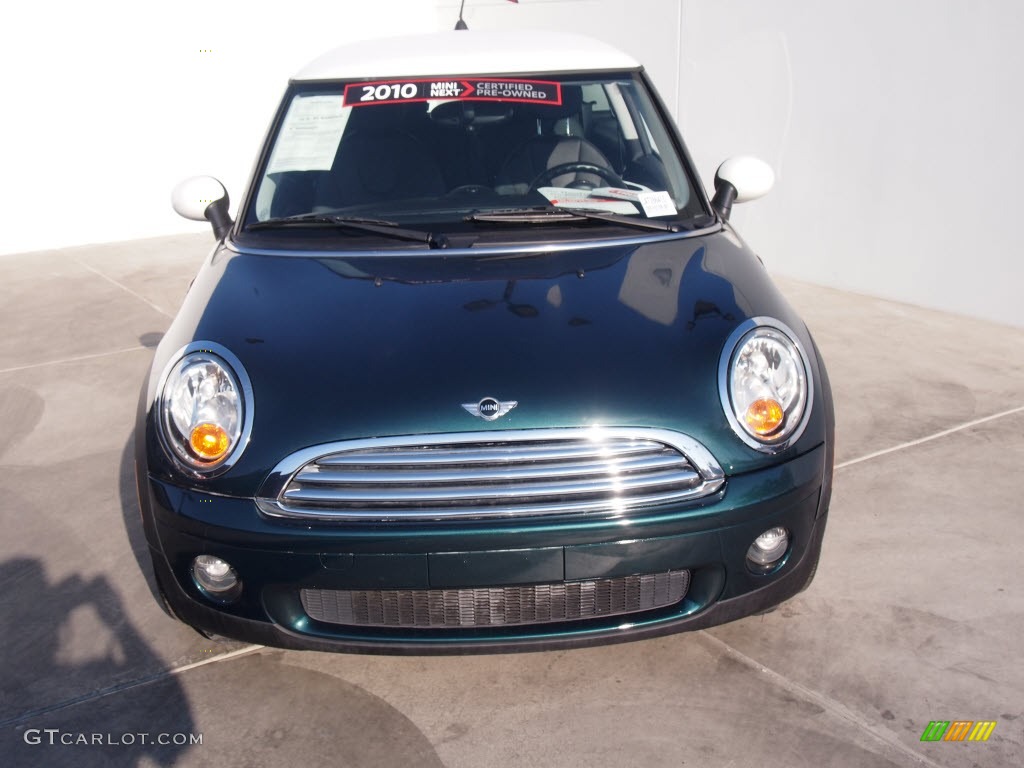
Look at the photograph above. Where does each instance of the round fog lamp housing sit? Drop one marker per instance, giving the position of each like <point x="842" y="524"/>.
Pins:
<point x="768" y="548"/>
<point x="216" y="578"/>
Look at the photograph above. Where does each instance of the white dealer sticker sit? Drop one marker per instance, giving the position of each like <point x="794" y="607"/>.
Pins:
<point x="585" y="200"/>
<point x="310" y="135"/>
<point x="657" y="204"/>
<point x="652" y="203"/>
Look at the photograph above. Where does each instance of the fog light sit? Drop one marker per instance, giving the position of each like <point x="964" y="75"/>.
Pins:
<point x="216" y="578"/>
<point x="768" y="548"/>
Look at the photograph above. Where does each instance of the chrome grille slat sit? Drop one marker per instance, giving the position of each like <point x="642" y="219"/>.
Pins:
<point x="491" y="475"/>
<point x="395" y="512"/>
<point x="497" y="606"/>
<point x="320" y="473"/>
<point x="457" y="493"/>
<point x="485" y="453"/>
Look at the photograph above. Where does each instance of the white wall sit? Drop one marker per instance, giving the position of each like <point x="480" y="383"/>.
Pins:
<point x="896" y="132"/>
<point x="108" y="104"/>
<point x="646" y="29"/>
<point x="894" y="127"/>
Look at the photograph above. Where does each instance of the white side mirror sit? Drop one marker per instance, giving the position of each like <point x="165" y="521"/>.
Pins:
<point x="203" y="198"/>
<point x="740" y="179"/>
<point x="193" y="196"/>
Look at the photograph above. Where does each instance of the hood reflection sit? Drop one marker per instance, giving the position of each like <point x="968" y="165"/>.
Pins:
<point x="668" y="278"/>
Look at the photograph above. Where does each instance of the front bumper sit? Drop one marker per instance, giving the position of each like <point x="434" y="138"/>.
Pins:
<point x="276" y="560"/>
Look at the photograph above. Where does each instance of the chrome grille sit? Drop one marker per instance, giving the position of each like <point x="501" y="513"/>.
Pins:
<point x="486" y="475"/>
<point x="496" y="606"/>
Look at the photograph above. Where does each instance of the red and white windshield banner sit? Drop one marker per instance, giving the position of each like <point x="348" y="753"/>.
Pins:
<point x="461" y="88"/>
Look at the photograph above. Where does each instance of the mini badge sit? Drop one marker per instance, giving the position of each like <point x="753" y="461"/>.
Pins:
<point x="489" y="408"/>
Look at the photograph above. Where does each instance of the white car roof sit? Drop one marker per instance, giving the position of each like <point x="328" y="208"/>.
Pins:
<point x="466" y="52"/>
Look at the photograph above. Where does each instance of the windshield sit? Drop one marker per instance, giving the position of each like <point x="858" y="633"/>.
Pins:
<point x="431" y="154"/>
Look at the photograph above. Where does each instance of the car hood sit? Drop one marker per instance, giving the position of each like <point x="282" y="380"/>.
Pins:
<point x="353" y="347"/>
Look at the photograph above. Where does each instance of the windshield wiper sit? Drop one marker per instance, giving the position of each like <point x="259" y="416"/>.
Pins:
<point x="545" y="215"/>
<point x="360" y="224"/>
<point x="525" y="215"/>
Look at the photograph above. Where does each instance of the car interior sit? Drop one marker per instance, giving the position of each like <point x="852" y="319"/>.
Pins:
<point x="468" y="151"/>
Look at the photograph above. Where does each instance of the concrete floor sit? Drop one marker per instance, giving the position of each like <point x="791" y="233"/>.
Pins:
<point x="914" y="615"/>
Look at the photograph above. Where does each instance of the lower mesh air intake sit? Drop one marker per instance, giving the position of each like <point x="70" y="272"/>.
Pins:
<point x="496" y="606"/>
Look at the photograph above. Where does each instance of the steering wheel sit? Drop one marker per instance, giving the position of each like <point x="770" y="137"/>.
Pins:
<point x="546" y="177"/>
<point x="467" y="190"/>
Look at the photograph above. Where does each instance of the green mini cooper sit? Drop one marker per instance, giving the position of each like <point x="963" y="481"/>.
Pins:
<point x="480" y="367"/>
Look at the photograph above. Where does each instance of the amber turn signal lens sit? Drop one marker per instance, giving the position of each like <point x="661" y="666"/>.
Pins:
<point x="209" y="441"/>
<point x="764" y="416"/>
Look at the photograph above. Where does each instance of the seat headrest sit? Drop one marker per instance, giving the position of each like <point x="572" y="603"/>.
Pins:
<point x="571" y="106"/>
<point x="386" y="116"/>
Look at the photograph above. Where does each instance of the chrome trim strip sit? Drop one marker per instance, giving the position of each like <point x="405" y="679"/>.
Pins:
<point x="584" y="450"/>
<point x="617" y="507"/>
<point x="419" y="514"/>
<point x="436" y="501"/>
<point x="316" y="475"/>
<point x="468" y="492"/>
<point x="481" y="251"/>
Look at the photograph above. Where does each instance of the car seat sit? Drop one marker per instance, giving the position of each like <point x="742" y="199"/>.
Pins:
<point x="380" y="159"/>
<point x="561" y="141"/>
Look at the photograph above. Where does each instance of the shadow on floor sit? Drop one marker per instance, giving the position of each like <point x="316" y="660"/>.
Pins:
<point x="73" y="636"/>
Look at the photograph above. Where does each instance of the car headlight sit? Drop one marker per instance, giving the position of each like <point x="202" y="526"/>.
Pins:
<point x="204" y="409"/>
<point x="765" y="384"/>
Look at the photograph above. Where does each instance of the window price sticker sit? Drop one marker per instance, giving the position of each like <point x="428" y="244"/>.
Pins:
<point x="309" y="137"/>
